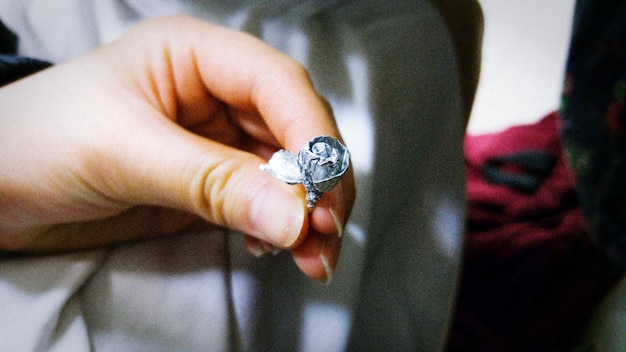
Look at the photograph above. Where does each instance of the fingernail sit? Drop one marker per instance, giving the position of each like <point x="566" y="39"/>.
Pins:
<point x="258" y="251"/>
<point x="329" y="254"/>
<point x="269" y="248"/>
<point x="327" y="268"/>
<point x="278" y="215"/>
<point x="337" y="221"/>
<point x="254" y="247"/>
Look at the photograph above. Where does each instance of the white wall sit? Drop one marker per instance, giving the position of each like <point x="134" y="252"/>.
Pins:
<point x="524" y="50"/>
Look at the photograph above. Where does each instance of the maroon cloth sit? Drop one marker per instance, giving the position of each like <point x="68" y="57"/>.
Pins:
<point x="531" y="275"/>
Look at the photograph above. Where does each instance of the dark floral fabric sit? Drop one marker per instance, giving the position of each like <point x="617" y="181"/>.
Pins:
<point x="593" y="119"/>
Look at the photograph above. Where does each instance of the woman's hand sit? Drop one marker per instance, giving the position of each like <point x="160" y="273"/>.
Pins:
<point x="148" y="134"/>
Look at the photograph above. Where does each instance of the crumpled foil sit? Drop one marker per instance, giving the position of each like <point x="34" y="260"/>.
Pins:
<point x="318" y="166"/>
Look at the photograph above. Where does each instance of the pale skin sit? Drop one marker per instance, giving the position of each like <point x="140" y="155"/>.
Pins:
<point x="165" y="127"/>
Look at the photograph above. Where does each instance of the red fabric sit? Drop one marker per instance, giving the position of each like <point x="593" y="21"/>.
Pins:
<point x="531" y="275"/>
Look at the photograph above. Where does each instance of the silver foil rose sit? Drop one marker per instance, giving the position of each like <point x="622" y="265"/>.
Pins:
<point x="318" y="166"/>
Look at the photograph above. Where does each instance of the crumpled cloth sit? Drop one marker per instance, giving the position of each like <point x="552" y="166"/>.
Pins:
<point x="531" y="273"/>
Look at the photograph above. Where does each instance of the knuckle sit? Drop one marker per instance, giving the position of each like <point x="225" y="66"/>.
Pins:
<point x="218" y="193"/>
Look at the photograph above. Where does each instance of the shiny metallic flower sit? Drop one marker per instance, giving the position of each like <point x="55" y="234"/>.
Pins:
<point x="318" y="166"/>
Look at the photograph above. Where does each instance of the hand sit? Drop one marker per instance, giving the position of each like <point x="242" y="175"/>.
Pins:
<point x="163" y="127"/>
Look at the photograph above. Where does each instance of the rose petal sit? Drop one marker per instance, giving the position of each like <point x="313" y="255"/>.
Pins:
<point x="284" y="166"/>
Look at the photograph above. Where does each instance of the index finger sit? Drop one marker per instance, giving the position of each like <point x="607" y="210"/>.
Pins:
<point x="250" y="75"/>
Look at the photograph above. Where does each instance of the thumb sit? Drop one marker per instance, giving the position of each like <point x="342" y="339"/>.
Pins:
<point x="175" y="168"/>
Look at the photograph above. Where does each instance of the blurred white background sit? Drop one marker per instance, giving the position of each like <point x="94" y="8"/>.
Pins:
<point x="524" y="50"/>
